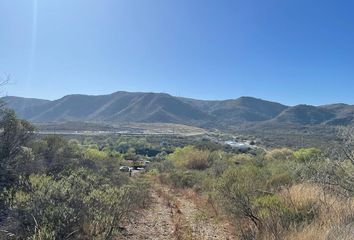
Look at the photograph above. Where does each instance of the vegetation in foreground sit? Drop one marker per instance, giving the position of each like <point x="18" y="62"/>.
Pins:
<point x="279" y="194"/>
<point x="51" y="188"/>
<point x="54" y="188"/>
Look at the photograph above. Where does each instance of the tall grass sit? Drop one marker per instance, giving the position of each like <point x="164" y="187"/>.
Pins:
<point x="335" y="215"/>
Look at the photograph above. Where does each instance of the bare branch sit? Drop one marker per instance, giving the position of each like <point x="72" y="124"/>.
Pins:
<point x="3" y="81"/>
<point x="346" y="134"/>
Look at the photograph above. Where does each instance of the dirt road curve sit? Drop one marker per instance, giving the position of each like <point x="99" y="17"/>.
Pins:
<point x="174" y="215"/>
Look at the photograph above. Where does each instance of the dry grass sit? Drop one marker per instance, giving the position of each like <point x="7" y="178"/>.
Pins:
<point x="334" y="214"/>
<point x="334" y="218"/>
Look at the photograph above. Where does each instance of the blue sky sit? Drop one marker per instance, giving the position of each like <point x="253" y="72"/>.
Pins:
<point x="283" y="50"/>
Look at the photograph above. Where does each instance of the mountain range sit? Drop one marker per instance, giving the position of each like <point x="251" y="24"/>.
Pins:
<point x="164" y="108"/>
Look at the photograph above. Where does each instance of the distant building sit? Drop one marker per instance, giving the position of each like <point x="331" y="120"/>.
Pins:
<point x="238" y="145"/>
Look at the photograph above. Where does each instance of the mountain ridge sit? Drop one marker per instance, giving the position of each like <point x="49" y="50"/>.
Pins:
<point x="152" y="107"/>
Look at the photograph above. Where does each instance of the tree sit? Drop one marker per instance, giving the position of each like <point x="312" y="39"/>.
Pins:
<point x="14" y="134"/>
<point x="56" y="155"/>
<point x="3" y="82"/>
<point x="336" y="174"/>
<point x="239" y="187"/>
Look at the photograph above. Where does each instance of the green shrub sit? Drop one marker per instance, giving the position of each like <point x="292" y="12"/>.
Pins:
<point x="80" y="206"/>
<point x="282" y="154"/>
<point x="238" y="188"/>
<point x="191" y="158"/>
<point x="305" y="155"/>
<point x="184" y="179"/>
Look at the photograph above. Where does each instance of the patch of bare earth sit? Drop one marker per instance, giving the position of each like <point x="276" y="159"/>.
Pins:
<point x="153" y="223"/>
<point x="177" y="215"/>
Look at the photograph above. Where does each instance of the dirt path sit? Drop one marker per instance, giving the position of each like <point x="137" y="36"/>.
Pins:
<point x="153" y="223"/>
<point x="177" y="215"/>
<point x="199" y="219"/>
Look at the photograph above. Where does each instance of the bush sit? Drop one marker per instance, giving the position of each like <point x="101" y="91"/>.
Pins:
<point x="191" y="158"/>
<point x="80" y="206"/>
<point x="238" y="188"/>
<point x="197" y="163"/>
<point x="184" y="179"/>
<point x="273" y="213"/>
<point x="110" y="206"/>
<point x="279" y="180"/>
<point x="306" y="155"/>
<point x="219" y="167"/>
<point x="161" y="167"/>
<point x="282" y="154"/>
<point x="242" y="158"/>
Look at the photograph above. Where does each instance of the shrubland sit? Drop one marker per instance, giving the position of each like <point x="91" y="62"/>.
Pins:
<point x="276" y="194"/>
<point x="51" y="188"/>
<point x="59" y="188"/>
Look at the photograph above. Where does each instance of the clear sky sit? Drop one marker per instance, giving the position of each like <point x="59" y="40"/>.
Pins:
<point x="291" y="51"/>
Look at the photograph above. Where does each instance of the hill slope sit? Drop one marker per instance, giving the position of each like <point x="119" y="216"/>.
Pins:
<point x="164" y="108"/>
<point x="116" y="107"/>
<point x="305" y="115"/>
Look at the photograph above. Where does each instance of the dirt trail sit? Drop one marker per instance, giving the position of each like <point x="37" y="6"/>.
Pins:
<point x="177" y="215"/>
<point x="152" y="223"/>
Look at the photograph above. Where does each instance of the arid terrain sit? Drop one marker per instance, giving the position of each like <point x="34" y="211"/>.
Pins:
<point x="178" y="214"/>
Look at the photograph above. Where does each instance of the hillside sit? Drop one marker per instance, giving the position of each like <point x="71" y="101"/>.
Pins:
<point x="305" y="115"/>
<point x="344" y="114"/>
<point x="243" y="109"/>
<point x="116" y="107"/>
<point x="120" y="107"/>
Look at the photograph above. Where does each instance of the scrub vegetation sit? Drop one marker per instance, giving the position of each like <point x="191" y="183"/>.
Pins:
<point x="53" y="187"/>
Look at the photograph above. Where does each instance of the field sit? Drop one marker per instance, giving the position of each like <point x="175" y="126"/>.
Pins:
<point x="79" y="128"/>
